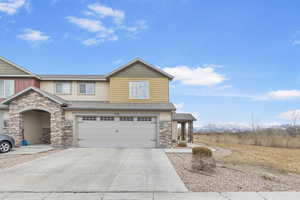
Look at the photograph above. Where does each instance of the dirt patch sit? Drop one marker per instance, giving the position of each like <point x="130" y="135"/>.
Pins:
<point x="9" y="160"/>
<point x="230" y="178"/>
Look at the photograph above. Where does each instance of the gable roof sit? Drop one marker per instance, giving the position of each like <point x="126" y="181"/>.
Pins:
<point x="145" y="63"/>
<point x="41" y="92"/>
<point x="183" y="117"/>
<point x="69" y="77"/>
<point x="27" y="73"/>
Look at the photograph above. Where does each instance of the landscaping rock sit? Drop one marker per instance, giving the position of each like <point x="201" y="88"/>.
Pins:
<point x="203" y="163"/>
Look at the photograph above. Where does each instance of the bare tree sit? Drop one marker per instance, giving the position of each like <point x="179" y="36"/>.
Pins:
<point x="295" y="116"/>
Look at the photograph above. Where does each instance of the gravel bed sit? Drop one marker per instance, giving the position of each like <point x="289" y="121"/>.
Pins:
<point x="9" y="160"/>
<point x="231" y="179"/>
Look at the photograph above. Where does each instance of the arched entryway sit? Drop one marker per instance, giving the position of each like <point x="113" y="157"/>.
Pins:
<point x="36" y="126"/>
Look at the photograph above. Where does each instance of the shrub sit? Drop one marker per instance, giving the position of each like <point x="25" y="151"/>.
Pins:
<point x="182" y="144"/>
<point x="207" y="164"/>
<point x="202" y="151"/>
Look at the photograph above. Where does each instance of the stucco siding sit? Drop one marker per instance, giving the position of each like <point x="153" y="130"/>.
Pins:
<point x="138" y="70"/>
<point x="102" y="91"/>
<point x="7" y="69"/>
<point x="119" y="90"/>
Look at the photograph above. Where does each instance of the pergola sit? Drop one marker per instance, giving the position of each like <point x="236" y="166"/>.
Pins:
<point x="186" y="120"/>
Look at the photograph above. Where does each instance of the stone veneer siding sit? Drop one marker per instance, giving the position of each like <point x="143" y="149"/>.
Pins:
<point x="165" y="134"/>
<point x="60" y="129"/>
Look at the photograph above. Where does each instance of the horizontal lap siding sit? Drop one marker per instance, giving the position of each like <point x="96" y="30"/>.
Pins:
<point x="159" y="90"/>
<point x="21" y="84"/>
<point x="8" y="69"/>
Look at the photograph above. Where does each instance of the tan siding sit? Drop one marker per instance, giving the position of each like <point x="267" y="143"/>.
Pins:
<point x="159" y="90"/>
<point x="138" y="70"/>
<point x="102" y="91"/>
<point x="7" y="69"/>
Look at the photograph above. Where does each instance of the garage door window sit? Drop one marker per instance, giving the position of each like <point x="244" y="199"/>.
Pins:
<point x="89" y="118"/>
<point x="107" y="118"/>
<point x="144" y="119"/>
<point x="126" y="118"/>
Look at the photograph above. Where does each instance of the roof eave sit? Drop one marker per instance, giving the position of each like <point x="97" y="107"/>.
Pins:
<point x="115" y="109"/>
<point x="145" y="63"/>
<point x="19" y="67"/>
<point x="5" y="102"/>
<point x="71" y="79"/>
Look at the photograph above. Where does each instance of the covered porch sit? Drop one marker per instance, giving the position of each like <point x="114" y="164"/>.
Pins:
<point x="183" y="126"/>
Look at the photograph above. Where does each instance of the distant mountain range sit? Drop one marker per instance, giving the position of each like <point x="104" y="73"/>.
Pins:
<point x="235" y="127"/>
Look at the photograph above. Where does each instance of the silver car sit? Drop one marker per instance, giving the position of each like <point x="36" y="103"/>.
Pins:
<point x="6" y="143"/>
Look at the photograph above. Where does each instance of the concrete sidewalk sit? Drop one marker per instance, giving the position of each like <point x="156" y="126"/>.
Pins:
<point x="154" y="196"/>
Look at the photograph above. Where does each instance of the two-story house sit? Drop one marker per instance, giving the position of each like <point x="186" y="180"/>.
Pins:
<point x="128" y="107"/>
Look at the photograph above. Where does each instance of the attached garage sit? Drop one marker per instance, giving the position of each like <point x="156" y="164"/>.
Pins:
<point x="126" y="131"/>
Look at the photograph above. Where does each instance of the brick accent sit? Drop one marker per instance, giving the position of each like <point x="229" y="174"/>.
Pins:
<point x="165" y="134"/>
<point x="60" y="131"/>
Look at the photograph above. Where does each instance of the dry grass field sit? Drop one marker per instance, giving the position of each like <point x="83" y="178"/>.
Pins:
<point x="282" y="159"/>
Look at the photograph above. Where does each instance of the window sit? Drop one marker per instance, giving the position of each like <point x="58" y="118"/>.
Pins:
<point x="7" y="88"/>
<point x="139" y="90"/>
<point x="63" y="88"/>
<point x="89" y="118"/>
<point x="126" y="118"/>
<point x="144" y="119"/>
<point x="87" y="88"/>
<point x="107" y="118"/>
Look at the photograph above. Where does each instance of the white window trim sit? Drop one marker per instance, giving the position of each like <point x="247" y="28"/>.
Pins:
<point x="61" y="93"/>
<point x="4" y="86"/>
<point x="139" y="98"/>
<point x="78" y="85"/>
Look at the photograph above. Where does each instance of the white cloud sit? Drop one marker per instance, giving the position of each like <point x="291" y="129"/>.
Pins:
<point x="137" y="27"/>
<point x="104" y="30"/>
<point x="223" y="87"/>
<point x="296" y="42"/>
<point x="33" y="36"/>
<point x="118" y="61"/>
<point x="96" y="41"/>
<point x="11" y="7"/>
<point x="179" y="106"/>
<point x="87" y="24"/>
<point x="202" y="76"/>
<point x="105" y="11"/>
<point x="280" y="95"/>
<point x="290" y="115"/>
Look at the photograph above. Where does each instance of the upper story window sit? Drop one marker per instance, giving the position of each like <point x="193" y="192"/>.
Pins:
<point x="63" y="88"/>
<point x="139" y="90"/>
<point x="7" y="88"/>
<point x="87" y="88"/>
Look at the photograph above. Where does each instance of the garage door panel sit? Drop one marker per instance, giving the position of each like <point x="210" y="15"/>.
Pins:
<point x="127" y="134"/>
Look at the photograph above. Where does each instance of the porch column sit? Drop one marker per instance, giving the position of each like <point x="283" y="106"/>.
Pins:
<point x="183" y="130"/>
<point x="191" y="132"/>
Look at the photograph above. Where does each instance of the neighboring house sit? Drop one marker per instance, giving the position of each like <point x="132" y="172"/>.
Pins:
<point x="128" y="107"/>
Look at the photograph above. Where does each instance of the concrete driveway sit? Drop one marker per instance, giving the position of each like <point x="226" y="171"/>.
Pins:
<point x="95" y="170"/>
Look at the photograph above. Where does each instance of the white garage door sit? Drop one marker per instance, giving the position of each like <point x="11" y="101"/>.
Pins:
<point x="121" y="131"/>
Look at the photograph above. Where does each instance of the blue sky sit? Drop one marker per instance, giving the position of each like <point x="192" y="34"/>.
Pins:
<point x="232" y="59"/>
